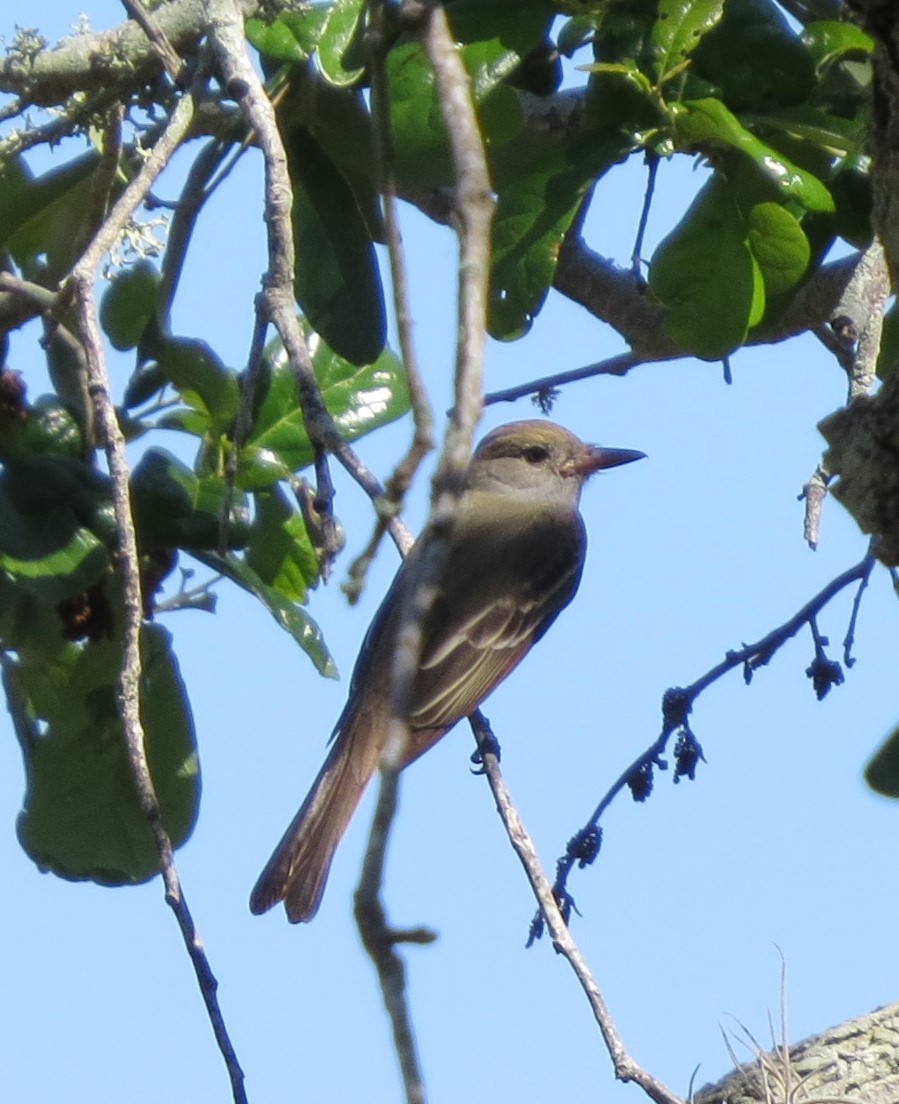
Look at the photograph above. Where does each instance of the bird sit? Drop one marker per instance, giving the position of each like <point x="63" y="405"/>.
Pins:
<point x="514" y="557"/>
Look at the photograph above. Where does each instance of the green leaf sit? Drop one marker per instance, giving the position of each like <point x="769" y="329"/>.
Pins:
<point x="28" y="205"/>
<point x="705" y="273"/>
<point x="494" y="36"/>
<point x="293" y="36"/>
<point x="882" y="773"/>
<point x="47" y="428"/>
<point x="679" y="29"/>
<point x="828" y="40"/>
<point x="708" y="125"/>
<point x="147" y="381"/>
<point x="337" y="282"/>
<point x="339" y="55"/>
<point x="289" y="615"/>
<point x="279" y="550"/>
<point x="129" y="304"/>
<point x="888" y="357"/>
<point x="779" y="245"/>
<point x="202" y="380"/>
<point x="830" y="133"/>
<point x="360" y="400"/>
<point x="45" y="546"/>
<point x="80" y="816"/>
<point x="851" y="188"/>
<point x="754" y="57"/>
<point x="174" y="508"/>
<point x="29" y="626"/>
<point x="51" y="223"/>
<point x="536" y="208"/>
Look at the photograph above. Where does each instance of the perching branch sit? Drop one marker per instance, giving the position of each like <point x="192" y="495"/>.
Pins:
<point x="677" y="704"/>
<point x="626" y="1069"/>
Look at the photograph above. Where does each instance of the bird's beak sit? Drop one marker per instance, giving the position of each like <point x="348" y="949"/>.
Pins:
<point x="594" y="459"/>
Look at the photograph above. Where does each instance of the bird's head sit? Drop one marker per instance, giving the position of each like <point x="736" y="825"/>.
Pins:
<point x="538" y="457"/>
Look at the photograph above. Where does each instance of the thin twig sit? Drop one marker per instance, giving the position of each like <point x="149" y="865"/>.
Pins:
<point x="652" y="168"/>
<point x="474" y="203"/>
<point x="618" y="365"/>
<point x="167" y="53"/>
<point x="80" y="286"/>
<point x="677" y="704"/>
<point x="423" y="434"/>
<point x="275" y="302"/>
<point x="626" y="1069"/>
<point x="380" y="940"/>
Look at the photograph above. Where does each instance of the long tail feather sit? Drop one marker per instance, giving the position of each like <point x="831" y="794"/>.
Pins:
<point x="298" y="870"/>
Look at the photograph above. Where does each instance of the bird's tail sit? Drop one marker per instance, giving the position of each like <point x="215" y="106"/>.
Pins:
<point x="298" y="870"/>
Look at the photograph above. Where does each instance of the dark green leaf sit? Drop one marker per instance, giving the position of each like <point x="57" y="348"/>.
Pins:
<point x="337" y="281"/>
<point x="80" y="816"/>
<point x="754" y="57"/>
<point x="174" y="508"/>
<point x="129" y="304"/>
<point x="889" y="343"/>
<point x="289" y="615"/>
<point x="51" y="224"/>
<point x="146" y="382"/>
<point x="704" y="271"/>
<point x="360" y="399"/>
<point x="882" y="773"/>
<point x="279" y="549"/>
<point x="535" y="209"/>
<point x="46" y="429"/>
<point x="832" y="134"/>
<point x="51" y="535"/>
<point x="850" y="186"/>
<point x="27" y="204"/>
<point x="202" y="380"/>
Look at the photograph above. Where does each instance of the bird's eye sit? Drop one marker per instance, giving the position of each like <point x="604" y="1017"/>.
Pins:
<point x="536" y="454"/>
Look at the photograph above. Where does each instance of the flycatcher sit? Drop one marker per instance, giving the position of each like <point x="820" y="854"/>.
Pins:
<point x="514" y="560"/>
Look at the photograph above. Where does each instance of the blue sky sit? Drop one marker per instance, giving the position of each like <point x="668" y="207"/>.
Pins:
<point x="778" y="843"/>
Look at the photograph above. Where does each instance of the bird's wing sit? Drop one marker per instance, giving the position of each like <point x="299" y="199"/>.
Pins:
<point x="484" y="622"/>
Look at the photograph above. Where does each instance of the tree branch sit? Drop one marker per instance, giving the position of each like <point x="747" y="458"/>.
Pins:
<point x="677" y="704"/>
<point x="626" y="1069"/>
<point x="80" y="286"/>
<point x="119" y="60"/>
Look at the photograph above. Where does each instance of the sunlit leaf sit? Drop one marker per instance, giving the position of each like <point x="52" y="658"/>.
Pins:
<point x="288" y="614"/>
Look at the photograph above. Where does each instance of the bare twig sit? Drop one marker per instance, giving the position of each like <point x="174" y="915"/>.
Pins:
<point x="652" y="169"/>
<point x="80" y="288"/>
<point x="473" y="213"/>
<point x="423" y="434"/>
<point x="380" y="939"/>
<point x="275" y="303"/>
<point x="626" y="1069"/>
<point x="167" y="52"/>
<point x="677" y="704"/>
<point x="618" y="365"/>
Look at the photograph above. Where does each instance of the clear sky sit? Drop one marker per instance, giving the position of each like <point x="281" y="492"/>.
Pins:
<point x="777" y="844"/>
